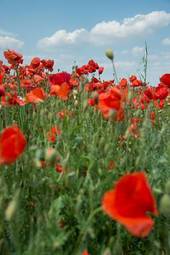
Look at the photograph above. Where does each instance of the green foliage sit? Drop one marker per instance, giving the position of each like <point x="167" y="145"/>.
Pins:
<point x="46" y="212"/>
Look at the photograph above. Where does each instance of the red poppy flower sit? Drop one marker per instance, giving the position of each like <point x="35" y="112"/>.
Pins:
<point x="2" y="90"/>
<point x="59" y="168"/>
<point x="132" y="78"/>
<point x="85" y="252"/>
<point x="12" y="99"/>
<point x="59" y="78"/>
<point x="1" y="77"/>
<point x="35" y="96"/>
<point x="12" y="144"/>
<point x="101" y="69"/>
<point x="123" y="83"/>
<point x="161" y="92"/>
<point x="13" y="57"/>
<point x="129" y="202"/>
<point x="48" y="64"/>
<point x="165" y="79"/>
<point x="111" y="101"/>
<point x="61" y="91"/>
<point x="35" y="62"/>
<point x="51" y="135"/>
<point x="149" y="92"/>
<point x="92" y="66"/>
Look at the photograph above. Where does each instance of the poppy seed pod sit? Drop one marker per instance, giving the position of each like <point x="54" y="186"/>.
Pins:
<point x="165" y="205"/>
<point x="109" y="54"/>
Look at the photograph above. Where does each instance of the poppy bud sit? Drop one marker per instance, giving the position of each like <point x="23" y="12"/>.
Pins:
<point x="165" y="205"/>
<point x="107" y="252"/>
<point x="76" y="102"/>
<point x="12" y="206"/>
<point x="37" y="163"/>
<point x="167" y="187"/>
<point x="109" y="54"/>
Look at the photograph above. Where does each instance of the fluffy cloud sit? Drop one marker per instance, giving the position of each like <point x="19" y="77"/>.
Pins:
<point x="62" y="37"/>
<point x="166" y="41"/>
<point x="137" y="25"/>
<point x="9" y="40"/>
<point x="107" y="31"/>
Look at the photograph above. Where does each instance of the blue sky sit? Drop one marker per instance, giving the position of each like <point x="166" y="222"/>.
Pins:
<point x="80" y="30"/>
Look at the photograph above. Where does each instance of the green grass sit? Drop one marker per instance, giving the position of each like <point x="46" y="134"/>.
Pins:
<point x="43" y="212"/>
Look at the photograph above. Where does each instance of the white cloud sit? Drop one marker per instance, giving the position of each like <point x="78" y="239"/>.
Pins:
<point x="108" y="31"/>
<point x="9" y="40"/>
<point x="133" y="26"/>
<point x="61" y="37"/>
<point x="166" y="41"/>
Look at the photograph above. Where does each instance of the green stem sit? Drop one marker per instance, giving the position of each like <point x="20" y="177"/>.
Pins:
<point x="85" y="229"/>
<point x="114" y="72"/>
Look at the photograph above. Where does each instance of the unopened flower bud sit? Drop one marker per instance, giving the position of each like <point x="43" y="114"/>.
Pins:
<point x="12" y="206"/>
<point x="37" y="163"/>
<point x="107" y="252"/>
<point x="76" y="102"/>
<point x="165" y="205"/>
<point x="109" y="54"/>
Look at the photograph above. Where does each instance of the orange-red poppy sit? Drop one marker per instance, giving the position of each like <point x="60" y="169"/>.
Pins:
<point x="112" y="101"/>
<point x="35" y="62"/>
<point x="35" y="96"/>
<point x="61" y="91"/>
<point x="129" y="203"/>
<point x="12" y="144"/>
<point x="13" y="57"/>
<point x="85" y="252"/>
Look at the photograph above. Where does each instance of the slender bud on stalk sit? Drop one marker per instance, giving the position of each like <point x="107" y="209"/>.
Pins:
<point x="12" y="206"/>
<point x="165" y="205"/>
<point x="109" y="54"/>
